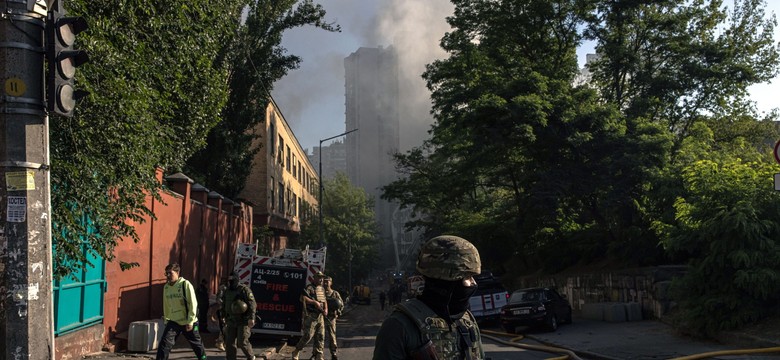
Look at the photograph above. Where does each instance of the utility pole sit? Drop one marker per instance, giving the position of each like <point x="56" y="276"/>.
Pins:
<point x="26" y="310"/>
<point x="322" y="178"/>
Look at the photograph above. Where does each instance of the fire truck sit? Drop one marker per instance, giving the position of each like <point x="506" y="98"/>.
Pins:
<point x="277" y="281"/>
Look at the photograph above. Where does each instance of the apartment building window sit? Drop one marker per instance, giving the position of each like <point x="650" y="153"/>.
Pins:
<point x="294" y="167"/>
<point x="300" y="173"/>
<point x="272" y="136"/>
<point x="294" y="205"/>
<point x="281" y="198"/>
<point x="273" y="194"/>
<point x="280" y="155"/>
<point x="289" y="201"/>
<point x="288" y="159"/>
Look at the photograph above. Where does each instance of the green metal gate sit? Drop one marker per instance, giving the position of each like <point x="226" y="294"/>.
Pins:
<point x="78" y="298"/>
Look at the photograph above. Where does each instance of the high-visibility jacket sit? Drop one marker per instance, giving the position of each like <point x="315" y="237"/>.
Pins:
<point x="179" y="302"/>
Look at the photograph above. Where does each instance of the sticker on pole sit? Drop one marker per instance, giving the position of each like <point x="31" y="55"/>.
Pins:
<point x="20" y="180"/>
<point x="17" y="209"/>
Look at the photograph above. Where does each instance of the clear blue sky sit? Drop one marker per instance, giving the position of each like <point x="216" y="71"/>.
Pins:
<point x="312" y="97"/>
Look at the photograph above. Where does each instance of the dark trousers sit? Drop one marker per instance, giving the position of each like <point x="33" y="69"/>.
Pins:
<point x="203" y="318"/>
<point x="237" y="337"/>
<point x="168" y="339"/>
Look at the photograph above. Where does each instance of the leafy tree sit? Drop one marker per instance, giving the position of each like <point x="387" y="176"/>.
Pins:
<point x="686" y="68"/>
<point x="727" y="224"/>
<point x="516" y="146"/>
<point x="157" y="86"/>
<point x="349" y="229"/>
<point x="673" y="63"/>
<point x="256" y="60"/>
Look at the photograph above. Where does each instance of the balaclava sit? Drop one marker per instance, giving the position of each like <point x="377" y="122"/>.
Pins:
<point x="233" y="281"/>
<point x="448" y="299"/>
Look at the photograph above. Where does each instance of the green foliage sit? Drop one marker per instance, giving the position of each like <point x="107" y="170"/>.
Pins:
<point x="349" y="229"/>
<point x="262" y="237"/>
<point x="256" y="60"/>
<point x="674" y="63"/>
<point x="728" y="225"/>
<point x="156" y="90"/>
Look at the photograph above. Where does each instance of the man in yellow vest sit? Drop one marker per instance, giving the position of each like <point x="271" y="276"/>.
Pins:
<point x="180" y="307"/>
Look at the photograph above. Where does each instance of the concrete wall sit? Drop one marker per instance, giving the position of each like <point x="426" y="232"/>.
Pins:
<point x="74" y="345"/>
<point x="647" y="287"/>
<point x="199" y="232"/>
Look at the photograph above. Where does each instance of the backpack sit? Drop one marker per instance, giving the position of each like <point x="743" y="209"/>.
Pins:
<point x="186" y="303"/>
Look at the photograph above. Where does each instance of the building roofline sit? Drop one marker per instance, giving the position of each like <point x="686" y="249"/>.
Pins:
<point x="289" y="130"/>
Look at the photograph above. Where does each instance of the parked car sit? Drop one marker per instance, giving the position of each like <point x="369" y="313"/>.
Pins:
<point x="537" y="307"/>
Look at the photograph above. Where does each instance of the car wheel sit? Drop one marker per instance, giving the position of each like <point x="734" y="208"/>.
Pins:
<point x="552" y="323"/>
<point x="510" y="329"/>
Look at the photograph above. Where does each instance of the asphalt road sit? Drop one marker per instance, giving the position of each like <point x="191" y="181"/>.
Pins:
<point x="587" y="339"/>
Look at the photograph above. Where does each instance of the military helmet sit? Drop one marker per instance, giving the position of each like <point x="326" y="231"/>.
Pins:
<point x="238" y="307"/>
<point x="448" y="257"/>
<point x="335" y="304"/>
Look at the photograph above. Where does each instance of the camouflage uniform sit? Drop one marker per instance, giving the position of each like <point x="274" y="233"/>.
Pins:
<point x="220" y="342"/>
<point x="333" y="297"/>
<point x="237" y="329"/>
<point x="414" y="330"/>
<point x="313" y="322"/>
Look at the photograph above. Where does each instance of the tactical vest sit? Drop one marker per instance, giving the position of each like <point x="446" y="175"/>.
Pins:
<point x="445" y="338"/>
<point x="320" y="291"/>
<point x="319" y="295"/>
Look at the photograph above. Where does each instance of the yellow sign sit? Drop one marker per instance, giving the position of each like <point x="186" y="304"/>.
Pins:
<point x="20" y="180"/>
<point x="15" y="87"/>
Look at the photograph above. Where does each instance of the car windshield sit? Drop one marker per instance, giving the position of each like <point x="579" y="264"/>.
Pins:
<point x="525" y="296"/>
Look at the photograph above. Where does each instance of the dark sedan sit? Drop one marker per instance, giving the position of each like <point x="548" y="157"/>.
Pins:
<point x="538" y="307"/>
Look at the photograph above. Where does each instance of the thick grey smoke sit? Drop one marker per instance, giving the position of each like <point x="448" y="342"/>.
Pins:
<point x="414" y="28"/>
<point x="312" y="97"/>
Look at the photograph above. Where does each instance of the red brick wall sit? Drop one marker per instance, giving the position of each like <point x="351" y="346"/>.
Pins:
<point x="200" y="237"/>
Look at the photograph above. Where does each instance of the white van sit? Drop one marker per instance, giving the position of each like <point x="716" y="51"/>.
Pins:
<point x="490" y="296"/>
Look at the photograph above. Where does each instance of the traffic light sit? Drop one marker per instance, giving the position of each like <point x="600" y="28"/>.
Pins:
<point x="63" y="60"/>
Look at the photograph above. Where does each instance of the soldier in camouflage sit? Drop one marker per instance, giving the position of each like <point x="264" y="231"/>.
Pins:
<point x="314" y="310"/>
<point x="436" y="325"/>
<point x="239" y="313"/>
<point x="335" y="307"/>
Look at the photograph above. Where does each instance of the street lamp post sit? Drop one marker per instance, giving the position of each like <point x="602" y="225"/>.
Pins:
<point x="321" y="179"/>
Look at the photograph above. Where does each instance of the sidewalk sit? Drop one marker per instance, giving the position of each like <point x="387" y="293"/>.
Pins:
<point x="182" y="350"/>
<point x="263" y="349"/>
<point x="645" y="339"/>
